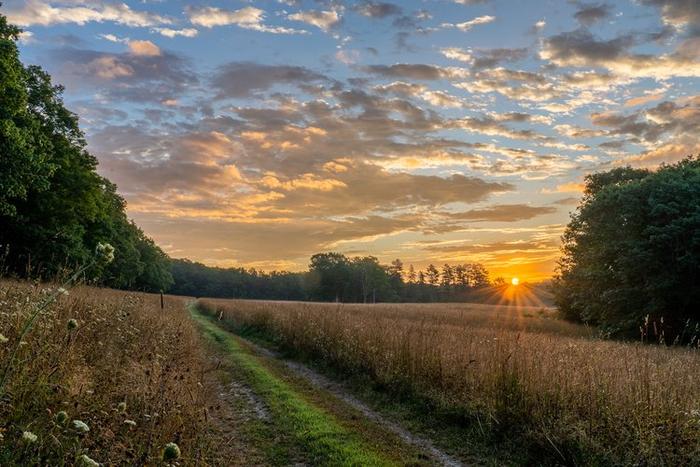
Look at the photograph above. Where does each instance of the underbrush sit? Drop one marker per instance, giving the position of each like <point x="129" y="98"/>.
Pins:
<point x="103" y="376"/>
<point x="525" y="383"/>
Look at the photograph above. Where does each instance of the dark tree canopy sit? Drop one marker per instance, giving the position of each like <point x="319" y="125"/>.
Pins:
<point x="632" y="250"/>
<point x="54" y="206"/>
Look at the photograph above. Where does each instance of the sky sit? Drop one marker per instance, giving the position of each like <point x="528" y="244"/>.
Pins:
<point x="257" y="133"/>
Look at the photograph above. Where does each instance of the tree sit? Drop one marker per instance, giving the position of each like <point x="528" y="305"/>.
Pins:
<point x="632" y="250"/>
<point x="477" y="275"/>
<point x="54" y="207"/>
<point x="24" y="148"/>
<point x="411" y="274"/>
<point x="331" y="273"/>
<point x="432" y="275"/>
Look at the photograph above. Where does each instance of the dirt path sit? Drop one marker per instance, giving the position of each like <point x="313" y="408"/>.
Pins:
<point x="298" y="416"/>
<point x="339" y="391"/>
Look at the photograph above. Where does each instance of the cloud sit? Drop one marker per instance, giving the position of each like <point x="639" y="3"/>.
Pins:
<point x="581" y="49"/>
<point x="569" y="187"/>
<point x="502" y="213"/>
<point x="590" y="13"/>
<point x="403" y="70"/>
<point x="485" y="58"/>
<point x="377" y="9"/>
<point x="42" y="13"/>
<point x="467" y="25"/>
<point x="143" y="73"/>
<point x="681" y="14"/>
<point x="456" y="53"/>
<point x="243" y="79"/>
<point x="247" y="18"/>
<point x="323" y="20"/>
<point x="168" y="32"/>
<point x="144" y="48"/>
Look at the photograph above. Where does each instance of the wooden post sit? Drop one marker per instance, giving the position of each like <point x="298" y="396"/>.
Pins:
<point x="162" y="303"/>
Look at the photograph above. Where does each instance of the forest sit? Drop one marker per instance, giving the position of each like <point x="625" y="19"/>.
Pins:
<point x="333" y="277"/>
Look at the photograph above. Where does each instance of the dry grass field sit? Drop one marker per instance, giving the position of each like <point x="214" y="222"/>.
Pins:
<point x="103" y="374"/>
<point x="522" y="376"/>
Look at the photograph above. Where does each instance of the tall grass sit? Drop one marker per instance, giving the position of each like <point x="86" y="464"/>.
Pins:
<point x="130" y="372"/>
<point x="525" y="378"/>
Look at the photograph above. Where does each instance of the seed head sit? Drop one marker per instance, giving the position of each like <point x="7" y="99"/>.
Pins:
<point x="130" y="423"/>
<point x="85" y="461"/>
<point x="81" y="426"/>
<point x="171" y="452"/>
<point x="105" y="252"/>
<point x="61" y="417"/>
<point x="29" y="438"/>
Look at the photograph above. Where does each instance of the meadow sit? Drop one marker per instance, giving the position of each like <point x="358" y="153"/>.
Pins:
<point x="549" y="391"/>
<point x="103" y="376"/>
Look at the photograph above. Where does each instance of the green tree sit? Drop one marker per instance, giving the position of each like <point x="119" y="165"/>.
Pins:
<point x="632" y="250"/>
<point x="24" y="148"/>
<point x="54" y="207"/>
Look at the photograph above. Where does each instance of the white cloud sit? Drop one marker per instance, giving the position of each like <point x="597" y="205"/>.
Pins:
<point x="246" y="18"/>
<point x="144" y="48"/>
<point x="323" y="20"/>
<point x="455" y="53"/>
<point x="35" y="12"/>
<point x="467" y="25"/>
<point x="168" y="32"/>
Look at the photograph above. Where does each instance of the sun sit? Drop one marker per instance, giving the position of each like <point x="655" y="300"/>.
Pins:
<point x="515" y="281"/>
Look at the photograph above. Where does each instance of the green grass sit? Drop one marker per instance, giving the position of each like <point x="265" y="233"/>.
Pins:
<point x="325" y="439"/>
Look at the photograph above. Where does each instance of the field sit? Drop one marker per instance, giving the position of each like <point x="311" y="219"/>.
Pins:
<point x="111" y="377"/>
<point x="529" y="387"/>
<point x="133" y="375"/>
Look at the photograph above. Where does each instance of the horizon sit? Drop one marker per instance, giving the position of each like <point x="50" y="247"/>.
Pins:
<point x="434" y="132"/>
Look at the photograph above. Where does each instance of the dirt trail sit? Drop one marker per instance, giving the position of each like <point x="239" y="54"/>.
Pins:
<point x="339" y="391"/>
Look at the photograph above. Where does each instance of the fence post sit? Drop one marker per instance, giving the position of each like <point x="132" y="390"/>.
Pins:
<point x="162" y="303"/>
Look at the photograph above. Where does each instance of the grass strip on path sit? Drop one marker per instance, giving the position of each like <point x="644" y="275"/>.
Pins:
<point x="322" y="436"/>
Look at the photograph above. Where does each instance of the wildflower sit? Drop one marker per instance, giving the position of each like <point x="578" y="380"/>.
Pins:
<point x="72" y="324"/>
<point x="61" y="417"/>
<point x="122" y="407"/>
<point x="3" y="339"/>
<point x="105" y="252"/>
<point x="130" y="423"/>
<point x="81" y="426"/>
<point x="171" y="452"/>
<point x="28" y="437"/>
<point x="85" y="461"/>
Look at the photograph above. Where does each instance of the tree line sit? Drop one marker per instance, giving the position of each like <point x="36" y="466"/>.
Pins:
<point x="333" y="277"/>
<point x="54" y="207"/>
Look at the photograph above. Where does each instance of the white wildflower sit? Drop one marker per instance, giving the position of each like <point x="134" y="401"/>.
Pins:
<point x="105" y="252"/>
<point x="85" y="461"/>
<point x="130" y="423"/>
<point x="28" y="437"/>
<point x="3" y="339"/>
<point x="81" y="426"/>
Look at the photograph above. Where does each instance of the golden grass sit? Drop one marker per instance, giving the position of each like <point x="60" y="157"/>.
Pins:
<point x="516" y="372"/>
<point x="133" y="373"/>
